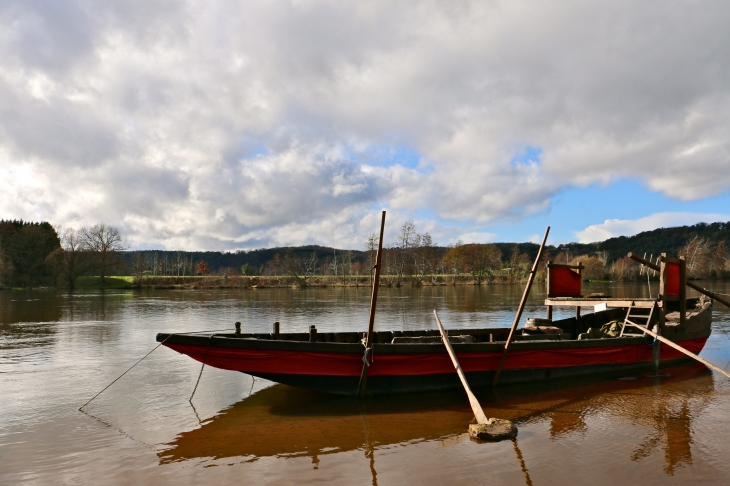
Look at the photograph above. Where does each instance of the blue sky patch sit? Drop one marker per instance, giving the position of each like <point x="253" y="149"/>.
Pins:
<point x="527" y="155"/>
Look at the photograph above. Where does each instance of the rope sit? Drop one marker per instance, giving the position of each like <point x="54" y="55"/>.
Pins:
<point x="140" y="360"/>
<point x="205" y="357"/>
<point x="365" y="357"/>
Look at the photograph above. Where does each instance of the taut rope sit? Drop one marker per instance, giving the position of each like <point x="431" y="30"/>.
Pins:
<point x="143" y="357"/>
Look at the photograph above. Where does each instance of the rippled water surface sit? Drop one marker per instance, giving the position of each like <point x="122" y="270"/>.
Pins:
<point x="57" y="350"/>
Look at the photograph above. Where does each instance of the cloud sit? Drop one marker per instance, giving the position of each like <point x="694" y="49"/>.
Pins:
<point x="230" y="125"/>
<point x="475" y="237"/>
<point x="629" y="227"/>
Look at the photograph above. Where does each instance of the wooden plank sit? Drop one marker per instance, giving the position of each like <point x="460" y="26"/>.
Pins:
<point x="478" y="412"/>
<point x="530" y="279"/>
<point x="680" y="349"/>
<point x="587" y="302"/>
<point x="373" y="302"/>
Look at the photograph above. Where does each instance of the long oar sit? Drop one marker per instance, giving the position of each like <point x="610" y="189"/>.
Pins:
<point x="521" y="307"/>
<point x="680" y="349"/>
<point x="688" y="284"/>
<point x="478" y="412"/>
<point x="371" y="323"/>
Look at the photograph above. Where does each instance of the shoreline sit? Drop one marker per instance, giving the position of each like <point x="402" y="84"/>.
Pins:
<point x="267" y="282"/>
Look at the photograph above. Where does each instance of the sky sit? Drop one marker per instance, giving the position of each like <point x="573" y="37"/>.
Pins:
<point x="223" y="125"/>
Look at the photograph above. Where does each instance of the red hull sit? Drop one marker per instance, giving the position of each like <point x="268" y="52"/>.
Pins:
<point x="280" y="362"/>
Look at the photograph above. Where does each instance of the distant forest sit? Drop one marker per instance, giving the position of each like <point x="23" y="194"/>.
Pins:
<point x="662" y="240"/>
<point x="34" y="253"/>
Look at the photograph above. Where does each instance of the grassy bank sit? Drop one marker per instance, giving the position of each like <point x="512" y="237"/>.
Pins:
<point x="253" y="282"/>
<point x="113" y="282"/>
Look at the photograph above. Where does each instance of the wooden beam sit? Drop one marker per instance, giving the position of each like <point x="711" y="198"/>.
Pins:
<point x="680" y="349"/>
<point x="590" y="302"/>
<point x="689" y="284"/>
<point x="373" y="302"/>
<point x="478" y="412"/>
<point x="530" y="279"/>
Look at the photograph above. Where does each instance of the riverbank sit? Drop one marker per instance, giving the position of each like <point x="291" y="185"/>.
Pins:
<point x="283" y="281"/>
<point x="259" y="282"/>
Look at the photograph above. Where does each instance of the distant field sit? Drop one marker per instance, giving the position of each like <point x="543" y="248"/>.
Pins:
<point x="112" y="282"/>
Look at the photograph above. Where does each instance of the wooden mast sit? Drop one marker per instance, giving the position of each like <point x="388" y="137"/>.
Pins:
<point x="530" y="279"/>
<point x="371" y="322"/>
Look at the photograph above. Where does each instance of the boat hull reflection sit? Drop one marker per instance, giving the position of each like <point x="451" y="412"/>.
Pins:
<point x="284" y="421"/>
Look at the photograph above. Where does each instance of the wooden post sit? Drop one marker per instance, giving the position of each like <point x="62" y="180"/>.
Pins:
<point x="682" y="290"/>
<point x="530" y="279"/>
<point x="656" y="348"/>
<point x="547" y="288"/>
<point x="478" y="412"/>
<point x="373" y="301"/>
<point x="662" y="296"/>
<point x="577" y="308"/>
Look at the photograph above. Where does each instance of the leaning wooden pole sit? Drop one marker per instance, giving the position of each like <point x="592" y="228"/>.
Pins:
<point x="680" y="349"/>
<point x="688" y="284"/>
<point x="530" y="279"/>
<point x="371" y="322"/>
<point x="478" y="412"/>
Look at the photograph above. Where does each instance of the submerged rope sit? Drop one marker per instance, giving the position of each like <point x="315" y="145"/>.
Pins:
<point x="142" y="358"/>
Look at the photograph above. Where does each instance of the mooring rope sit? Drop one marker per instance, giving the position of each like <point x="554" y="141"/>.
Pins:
<point x="143" y="357"/>
<point x="205" y="357"/>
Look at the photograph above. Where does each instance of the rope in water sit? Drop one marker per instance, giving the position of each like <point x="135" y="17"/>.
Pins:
<point x="142" y="358"/>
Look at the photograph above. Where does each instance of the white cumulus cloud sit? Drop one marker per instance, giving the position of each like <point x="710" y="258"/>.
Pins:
<point x="629" y="227"/>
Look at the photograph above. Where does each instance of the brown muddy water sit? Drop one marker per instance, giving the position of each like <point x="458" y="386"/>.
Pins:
<point x="58" y="349"/>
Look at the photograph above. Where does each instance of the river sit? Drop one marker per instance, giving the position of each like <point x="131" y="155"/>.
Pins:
<point x="59" y="349"/>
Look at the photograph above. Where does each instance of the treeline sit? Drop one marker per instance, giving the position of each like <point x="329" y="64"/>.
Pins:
<point x="662" y="240"/>
<point x="24" y="247"/>
<point x="413" y="257"/>
<point x="33" y="252"/>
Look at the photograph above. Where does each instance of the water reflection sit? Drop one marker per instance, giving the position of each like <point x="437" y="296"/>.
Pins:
<point x="27" y="306"/>
<point x="282" y="421"/>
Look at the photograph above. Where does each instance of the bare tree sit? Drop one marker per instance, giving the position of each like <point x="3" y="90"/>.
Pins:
<point x="624" y="269"/>
<point x="104" y="243"/>
<point x="71" y="260"/>
<point x="371" y="246"/>
<point x="719" y="259"/>
<point x="140" y="264"/>
<point x="424" y="255"/>
<point x="483" y="261"/>
<point x="697" y="255"/>
<point x="402" y="249"/>
<point x="454" y="259"/>
<point x="310" y="264"/>
<point x="293" y="265"/>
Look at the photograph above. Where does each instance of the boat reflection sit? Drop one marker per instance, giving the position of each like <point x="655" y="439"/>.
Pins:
<point x="283" y="421"/>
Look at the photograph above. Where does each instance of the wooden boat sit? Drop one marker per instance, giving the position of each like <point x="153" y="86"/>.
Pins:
<point x="382" y="362"/>
<point x="412" y="361"/>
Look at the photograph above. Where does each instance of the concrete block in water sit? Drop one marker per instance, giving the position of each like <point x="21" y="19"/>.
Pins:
<point x="494" y="430"/>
